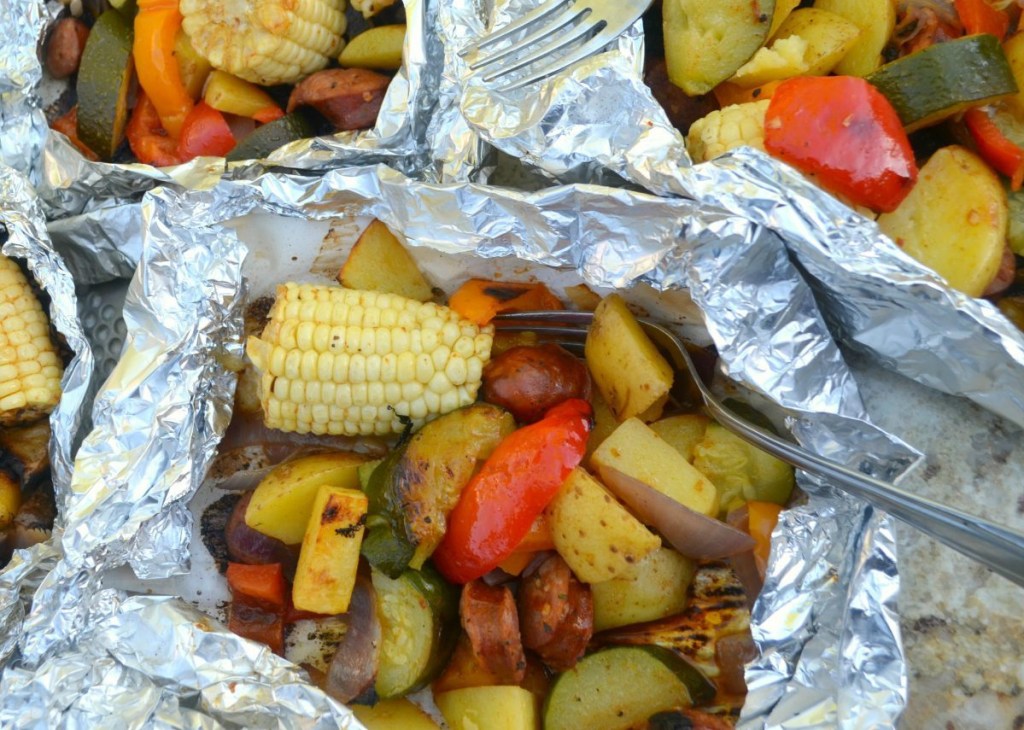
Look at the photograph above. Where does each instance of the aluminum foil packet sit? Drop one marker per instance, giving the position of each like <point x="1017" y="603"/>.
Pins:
<point x="24" y="237"/>
<point x="159" y="417"/>
<point x="597" y="121"/>
<point x="70" y="184"/>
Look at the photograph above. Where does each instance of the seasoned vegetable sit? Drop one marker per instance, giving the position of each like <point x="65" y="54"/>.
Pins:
<point x="615" y="688"/>
<point x="596" y="535"/>
<point x="326" y="572"/>
<point x="272" y="135"/>
<point x="377" y="48"/>
<point x="501" y="708"/>
<point x="10" y="499"/>
<point x="380" y="262"/>
<point x="418" y="617"/>
<point x="30" y="370"/>
<point x="875" y="19"/>
<point x="396" y="714"/>
<point x="230" y="94"/>
<point x="417" y="487"/>
<point x="637" y="451"/>
<point x="479" y="300"/>
<point x="633" y="377"/>
<point x="737" y="125"/>
<point x="829" y="37"/>
<point x="740" y="471"/>
<point x="844" y="132"/>
<point x="683" y="432"/>
<point x="341" y="361"/>
<point x="282" y="503"/>
<point x="104" y="80"/>
<point x="783" y="59"/>
<point x="156" y="27"/>
<point x="658" y="587"/>
<point x="193" y="68"/>
<point x="954" y="220"/>
<point x="511" y="489"/>
<point x="707" y="40"/>
<point x="269" y="41"/>
<point x="944" y="79"/>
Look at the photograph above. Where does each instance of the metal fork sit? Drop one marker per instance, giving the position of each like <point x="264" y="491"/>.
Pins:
<point x="552" y="27"/>
<point x="997" y="547"/>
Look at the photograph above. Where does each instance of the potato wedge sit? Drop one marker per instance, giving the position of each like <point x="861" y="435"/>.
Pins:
<point x="505" y="707"/>
<point x="379" y="262"/>
<point x="876" y="20"/>
<point x="598" y="537"/>
<point x="707" y="40"/>
<point x="783" y="9"/>
<point x="282" y="503"/>
<point x="396" y="714"/>
<point x="326" y="573"/>
<point x="378" y="48"/>
<point x="829" y="37"/>
<point x="682" y="432"/>
<point x="954" y="220"/>
<point x="658" y="588"/>
<point x="638" y="452"/>
<point x="10" y="499"/>
<point x="784" y="59"/>
<point x="633" y="377"/>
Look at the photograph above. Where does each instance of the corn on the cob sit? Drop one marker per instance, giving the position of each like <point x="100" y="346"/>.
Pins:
<point x="345" y="361"/>
<point x="265" y="41"/>
<point x="732" y="126"/>
<point x="30" y="369"/>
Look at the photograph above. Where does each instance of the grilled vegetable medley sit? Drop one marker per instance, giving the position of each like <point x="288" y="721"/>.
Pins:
<point x="177" y="79"/>
<point x="30" y="372"/>
<point x="909" y="110"/>
<point x="554" y="537"/>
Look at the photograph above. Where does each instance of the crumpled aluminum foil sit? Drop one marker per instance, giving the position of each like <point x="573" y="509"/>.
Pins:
<point x="22" y="218"/>
<point x="159" y="417"/>
<point x="69" y="184"/>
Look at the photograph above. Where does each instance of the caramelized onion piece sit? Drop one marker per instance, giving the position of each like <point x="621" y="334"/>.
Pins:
<point x="246" y="545"/>
<point x="354" y="666"/>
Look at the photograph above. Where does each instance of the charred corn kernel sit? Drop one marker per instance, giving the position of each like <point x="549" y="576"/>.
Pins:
<point x="266" y="42"/>
<point x="30" y="370"/>
<point x="343" y="361"/>
<point x="727" y="128"/>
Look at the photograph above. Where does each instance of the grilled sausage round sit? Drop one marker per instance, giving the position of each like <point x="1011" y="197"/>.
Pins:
<point x="530" y="379"/>
<point x="350" y="98"/>
<point x="557" y="614"/>
<point x="64" y="47"/>
<point x="489" y="618"/>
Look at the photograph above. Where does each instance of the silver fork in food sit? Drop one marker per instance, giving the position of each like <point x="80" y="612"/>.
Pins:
<point x="559" y="33"/>
<point x="998" y="547"/>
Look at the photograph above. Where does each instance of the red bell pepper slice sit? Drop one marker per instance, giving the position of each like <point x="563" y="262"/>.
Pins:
<point x="148" y="139"/>
<point x="842" y="130"/>
<point x="512" y="488"/>
<point x="995" y="147"/>
<point x="205" y="132"/>
<point x="979" y="16"/>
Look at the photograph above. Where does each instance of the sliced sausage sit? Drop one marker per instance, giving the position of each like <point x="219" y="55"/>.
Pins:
<point x="1005" y="275"/>
<point x="530" y="379"/>
<point x="350" y="98"/>
<point x="557" y="613"/>
<point x="489" y="618"/>
<point x="65" y="46"/>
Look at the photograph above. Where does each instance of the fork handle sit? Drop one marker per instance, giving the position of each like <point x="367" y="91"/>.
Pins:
<point x="997" y="547"/>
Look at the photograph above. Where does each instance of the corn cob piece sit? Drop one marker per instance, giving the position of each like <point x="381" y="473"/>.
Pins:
<point x="727" y="128"/>
<point x="30" y="369"/>
<point x="350" y="362"/>
<point x="265" y="41"/>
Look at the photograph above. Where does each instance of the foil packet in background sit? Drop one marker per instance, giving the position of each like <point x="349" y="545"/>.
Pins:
<point x="598" y="121"/>
<point x="24" y="237"/>
<point x="69" y="184"/>
<point x="161" y="414"/>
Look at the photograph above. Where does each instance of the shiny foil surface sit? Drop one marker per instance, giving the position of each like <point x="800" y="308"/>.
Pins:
<point x="160" y="415"/>
<point x="23" y="230"/>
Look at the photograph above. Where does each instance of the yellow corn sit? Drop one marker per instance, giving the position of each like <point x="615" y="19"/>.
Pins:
<point x="369" y="8"/>
<point x="351" y="362"/>
<point x="30" y="370"/>
<point x="732" y="126"/>
<point x="265" y="41"/>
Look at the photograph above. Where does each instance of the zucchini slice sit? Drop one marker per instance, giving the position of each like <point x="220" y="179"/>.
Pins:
<point x="615" y="688"/>
<point x="706" y="41"/>
<point x="944" y="79"/>
<point x="104" y="78"/>
<point x="419" y="621"/>
<point x="269" y="137"/>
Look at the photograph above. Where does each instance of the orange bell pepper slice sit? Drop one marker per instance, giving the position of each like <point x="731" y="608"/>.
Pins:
<point x="479" y="300"/>
<point x="762" y="518"/>
<point x="156" y="26"/>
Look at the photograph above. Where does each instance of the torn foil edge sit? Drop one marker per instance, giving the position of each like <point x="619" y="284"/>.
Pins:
<point x="570" y="226"/>
<point x="69" y="184"/>
<point x="22" y="218"/>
